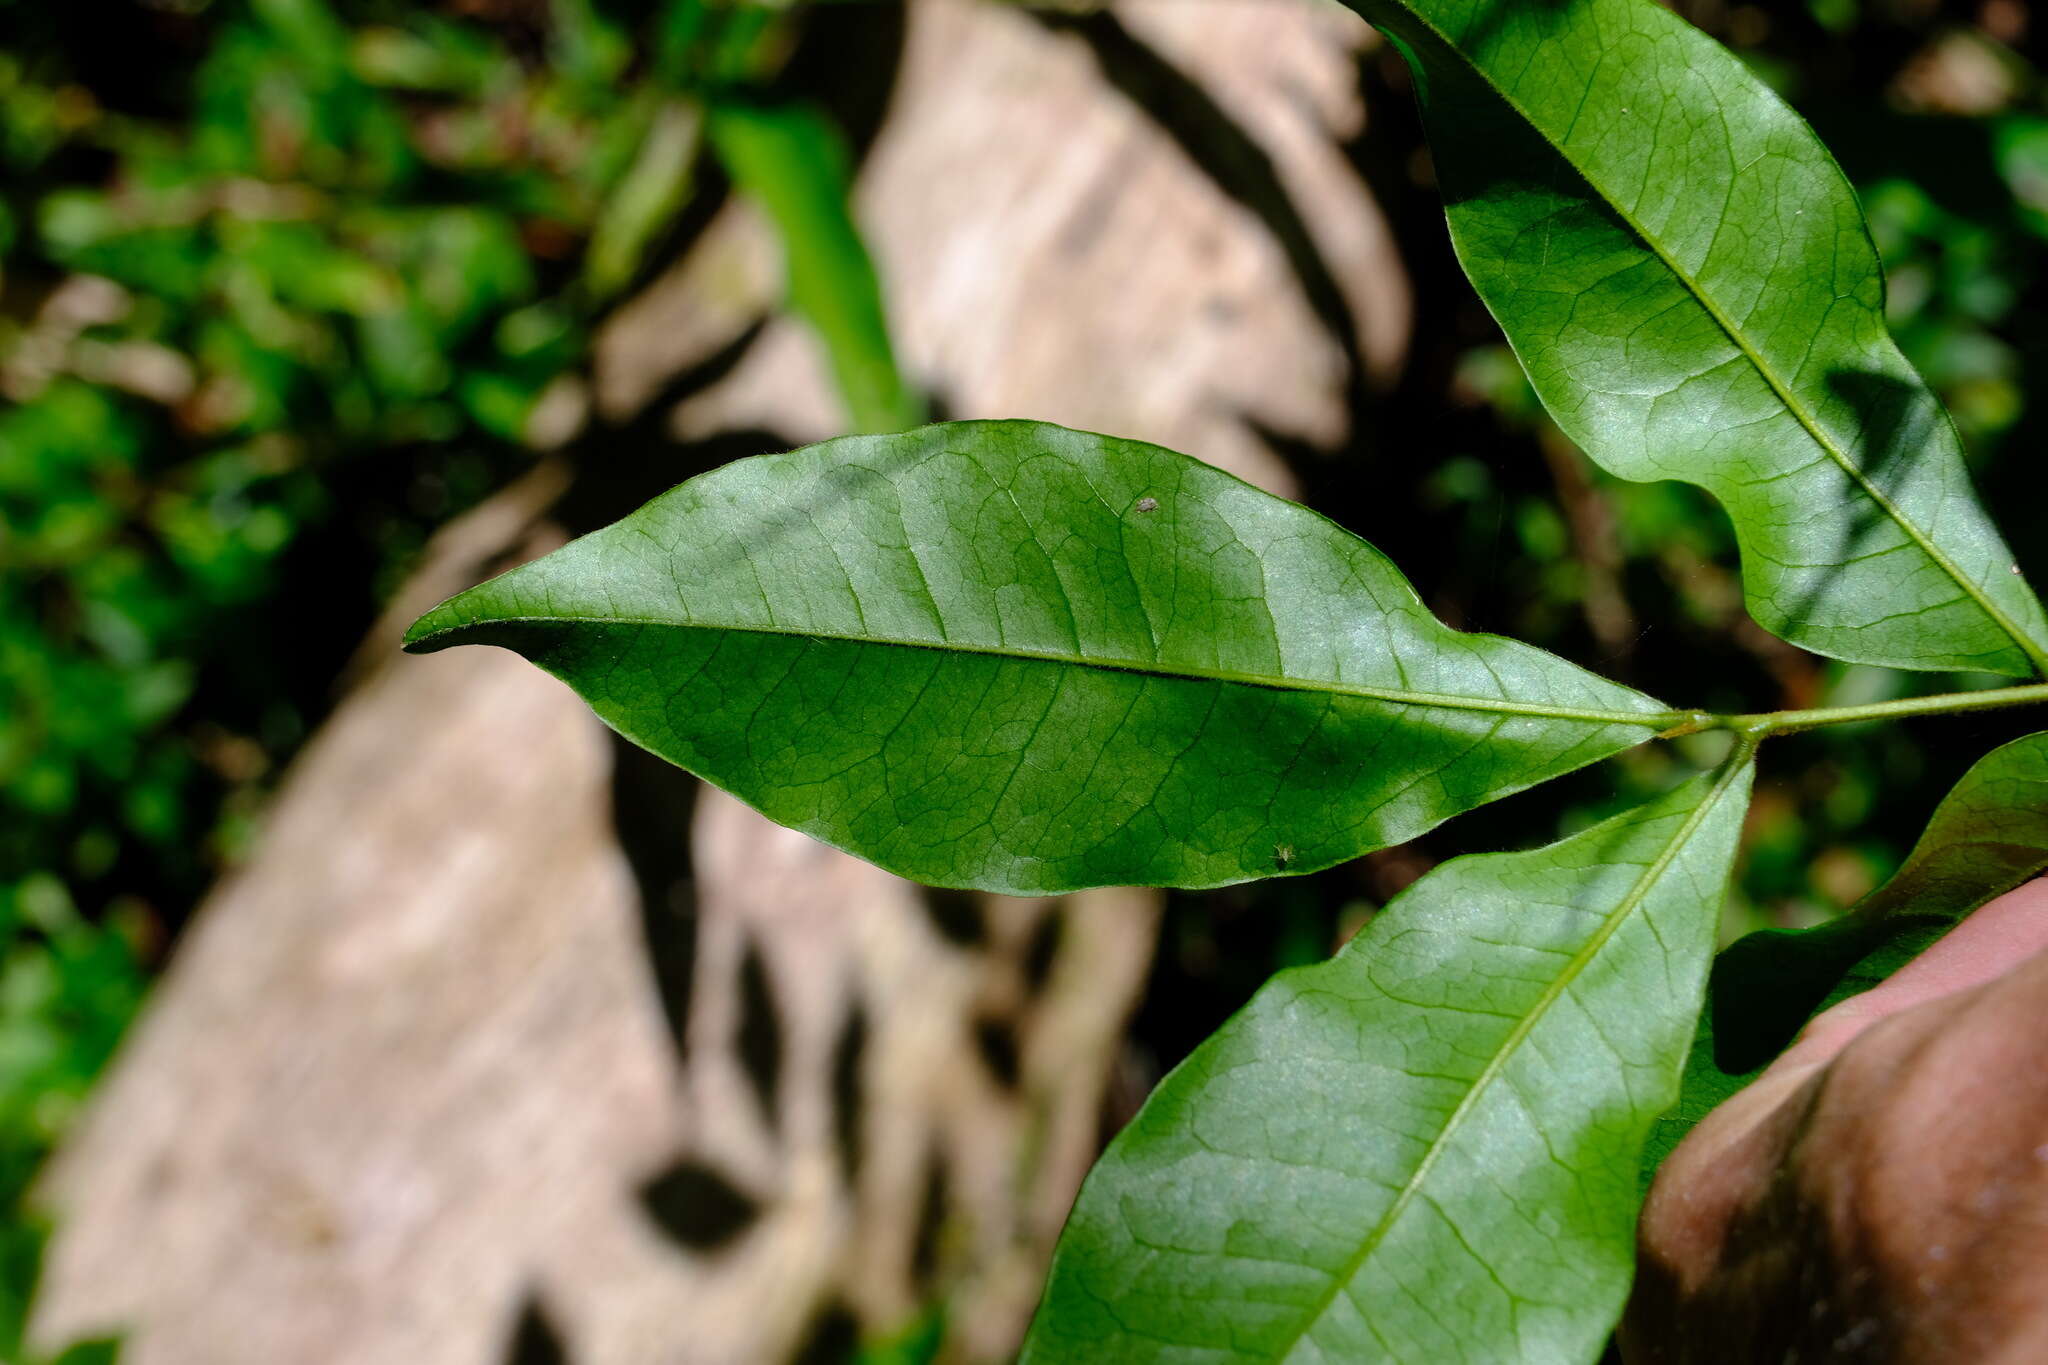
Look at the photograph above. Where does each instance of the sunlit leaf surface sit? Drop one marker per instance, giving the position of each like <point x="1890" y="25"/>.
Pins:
<point x="1017" y="657"/>
<point x="1688" y="279"/>
<point x="1425" y="1149"/>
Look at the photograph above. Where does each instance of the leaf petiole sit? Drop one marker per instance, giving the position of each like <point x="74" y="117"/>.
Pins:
<point x="1765" y="723"/>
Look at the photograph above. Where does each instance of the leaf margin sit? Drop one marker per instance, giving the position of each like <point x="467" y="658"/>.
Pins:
<point x="1734" y="777"/>
<point x="1634" y="716"/>
<point x="1406" y="21"/>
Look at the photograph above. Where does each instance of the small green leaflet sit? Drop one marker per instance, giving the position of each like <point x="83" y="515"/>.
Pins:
<point x="1425" y="1149"/>
<point x="792" y="160"/>
<point x="1989" y="834"/>
<point x="1689" y="282"/>
<point x="1010" y="656"/>
<point x="646" y="197"/>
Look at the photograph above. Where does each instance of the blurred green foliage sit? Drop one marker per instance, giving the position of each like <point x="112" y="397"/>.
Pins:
<point x="789" y="161"/>
<point x="282" y="285"/>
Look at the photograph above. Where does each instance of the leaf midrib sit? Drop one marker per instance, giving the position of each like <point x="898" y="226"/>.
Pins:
<point x="2034" y="653"/>
<point x="1505" y="1053"/>
<point x="1649" y="720"/>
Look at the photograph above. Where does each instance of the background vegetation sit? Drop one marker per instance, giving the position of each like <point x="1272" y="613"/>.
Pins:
<point x="284" y="284"/>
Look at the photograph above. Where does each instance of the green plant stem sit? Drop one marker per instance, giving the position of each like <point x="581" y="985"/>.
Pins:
<point x="1763" y="723"/>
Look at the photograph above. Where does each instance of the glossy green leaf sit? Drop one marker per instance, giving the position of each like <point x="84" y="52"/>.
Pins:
<point x="1989" y="834"/>
<point x="1423" y="1150"/>
<point x="1688" y="280"/>
<point x="790" y="159"/>
<point x="1027" y="659"/>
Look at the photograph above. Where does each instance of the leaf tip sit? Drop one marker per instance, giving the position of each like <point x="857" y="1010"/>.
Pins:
<point x="437" y="630"/>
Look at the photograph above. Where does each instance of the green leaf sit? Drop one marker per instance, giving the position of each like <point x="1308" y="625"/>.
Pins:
<point x="1021" y="658"/>
<point x="104" y="1351"/>
<point x="1425" y="1149"/>
<point x="1687" y="278"/>
<point x="790" y="159"/>
<point x="645" y="199"/>
<point x="1989" y="834"/>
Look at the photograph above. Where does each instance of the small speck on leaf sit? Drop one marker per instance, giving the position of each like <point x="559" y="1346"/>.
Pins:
<point x="2015" y="568"/>
<point x="1283" y="854"/>
<point x="1148" y="504"/>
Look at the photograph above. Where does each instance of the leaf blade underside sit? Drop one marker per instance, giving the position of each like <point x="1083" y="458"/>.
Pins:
<point x="1026" y="659"/>
<point x="1424" y="1149"/>
<point x="1688" y="280"/>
